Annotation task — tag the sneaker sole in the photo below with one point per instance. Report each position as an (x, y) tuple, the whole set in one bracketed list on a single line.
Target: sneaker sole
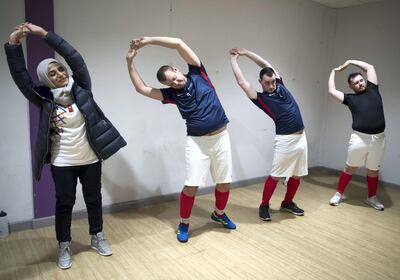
[(103, 254), (373, 206), (289, 211), (64, 267), (265, 219), (232, 228), (336, 203), (182, 241), (221, 223)]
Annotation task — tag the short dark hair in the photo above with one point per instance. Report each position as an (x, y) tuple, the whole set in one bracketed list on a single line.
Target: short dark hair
[(161, 73), (352, 76), (267, 71)]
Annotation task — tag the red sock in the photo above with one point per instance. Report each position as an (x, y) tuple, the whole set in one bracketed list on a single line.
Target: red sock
[(344, 180), (372, 185), (221, 199), (292, 186), (269, 188), (186, 205)]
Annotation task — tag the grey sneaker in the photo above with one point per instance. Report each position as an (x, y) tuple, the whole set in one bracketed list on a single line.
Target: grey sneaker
[(64, 260), (336, 199), (99, 243), (374, 202)]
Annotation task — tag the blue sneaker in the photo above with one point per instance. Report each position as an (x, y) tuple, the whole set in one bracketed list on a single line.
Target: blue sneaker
[(224, 220), (183, 234)]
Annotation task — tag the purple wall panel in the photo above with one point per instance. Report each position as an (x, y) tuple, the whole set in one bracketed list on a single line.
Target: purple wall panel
[(40, 13)]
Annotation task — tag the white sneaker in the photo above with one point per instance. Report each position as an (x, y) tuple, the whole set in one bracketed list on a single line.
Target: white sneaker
[(374, 202), (336, 199), (99, 243), (64, 260)]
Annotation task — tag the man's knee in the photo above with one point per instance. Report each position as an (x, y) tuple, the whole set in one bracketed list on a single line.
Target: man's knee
[(372, 173), (190, 190), (350, 169), (223, 187)]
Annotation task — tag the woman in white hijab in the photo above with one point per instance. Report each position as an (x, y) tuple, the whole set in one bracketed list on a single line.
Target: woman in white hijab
[(80, 136), (54, 75)]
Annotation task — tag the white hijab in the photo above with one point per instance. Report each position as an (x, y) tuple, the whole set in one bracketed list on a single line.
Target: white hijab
[(61, 95)]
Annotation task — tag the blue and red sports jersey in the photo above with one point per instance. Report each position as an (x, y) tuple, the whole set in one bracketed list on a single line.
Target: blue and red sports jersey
[(282, 108), (197, 102)]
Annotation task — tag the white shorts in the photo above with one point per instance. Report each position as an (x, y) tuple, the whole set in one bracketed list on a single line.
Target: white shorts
[(208, 153), (366, 149), (290, 156)]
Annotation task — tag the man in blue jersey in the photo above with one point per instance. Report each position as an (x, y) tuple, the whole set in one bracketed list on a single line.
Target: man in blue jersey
[(367, 141), (207, 145), (290, 149)]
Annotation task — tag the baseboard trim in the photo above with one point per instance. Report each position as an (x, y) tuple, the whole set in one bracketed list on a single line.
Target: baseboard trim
[(48, 221), (112, 208)]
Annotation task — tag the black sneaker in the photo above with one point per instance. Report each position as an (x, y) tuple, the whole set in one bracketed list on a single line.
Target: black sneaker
[(263, 212), (292, 208)]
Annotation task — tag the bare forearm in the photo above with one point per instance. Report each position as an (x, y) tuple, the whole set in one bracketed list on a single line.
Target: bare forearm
[(168, 42), (257, 59), (245, 85), (135, 78), (368, 68), (138, 83), (237, 72), (363, 65), (173, 43), (332, 87), (260, 61), (331, 82)]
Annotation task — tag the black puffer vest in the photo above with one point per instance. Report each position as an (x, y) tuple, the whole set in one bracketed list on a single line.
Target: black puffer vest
[(103, 137)]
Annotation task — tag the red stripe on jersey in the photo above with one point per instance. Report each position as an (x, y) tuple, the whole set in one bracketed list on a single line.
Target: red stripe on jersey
[(268, 110), (169, 101), (205, 77)]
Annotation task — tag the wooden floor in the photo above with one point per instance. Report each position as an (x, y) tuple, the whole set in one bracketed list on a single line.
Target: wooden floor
[(351, 241)]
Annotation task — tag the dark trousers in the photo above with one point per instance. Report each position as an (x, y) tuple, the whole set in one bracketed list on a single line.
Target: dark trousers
[(65, 180)]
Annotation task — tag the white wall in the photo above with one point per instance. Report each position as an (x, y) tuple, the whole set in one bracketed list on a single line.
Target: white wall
[(296, 36), (15, 164), (370, 33), (293, 35)]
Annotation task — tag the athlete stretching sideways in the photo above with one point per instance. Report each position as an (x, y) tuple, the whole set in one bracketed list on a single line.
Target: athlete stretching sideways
[(367, 141), (290, 148), (207, 144)]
